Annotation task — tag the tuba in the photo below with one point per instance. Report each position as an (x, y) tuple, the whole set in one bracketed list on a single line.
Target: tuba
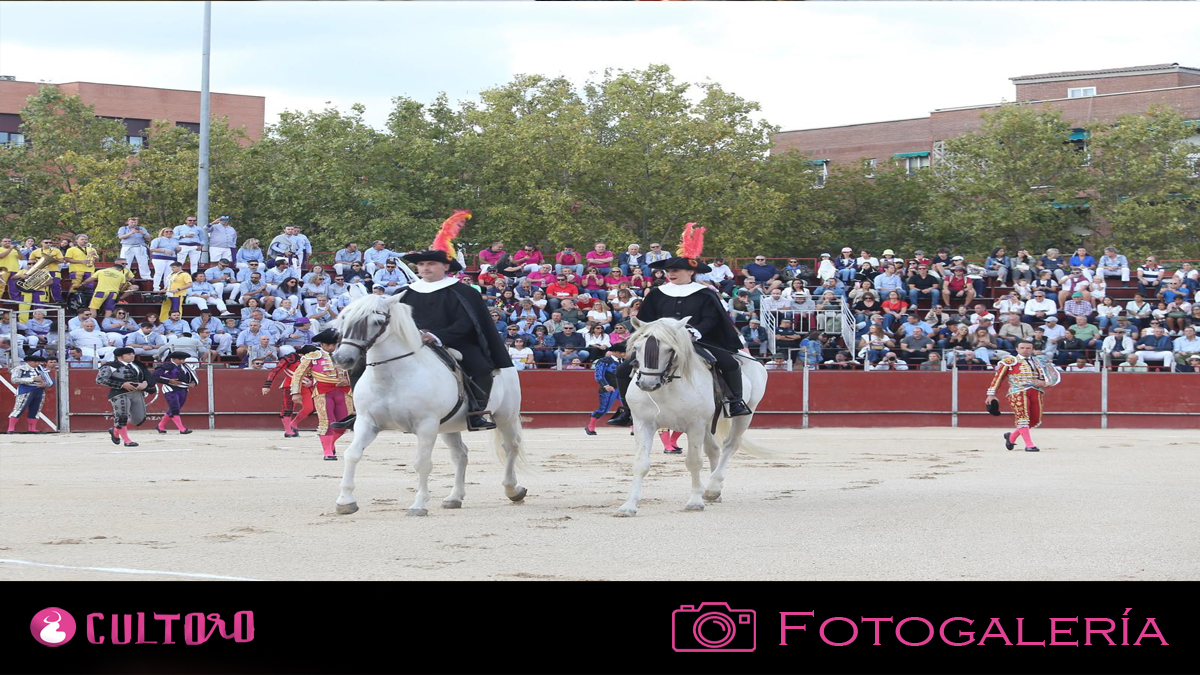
[(38, 278)]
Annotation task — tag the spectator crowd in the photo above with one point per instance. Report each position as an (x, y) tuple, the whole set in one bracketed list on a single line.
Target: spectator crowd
[(254, 304)]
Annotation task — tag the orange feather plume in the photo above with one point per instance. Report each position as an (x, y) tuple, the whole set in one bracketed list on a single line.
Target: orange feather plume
[(692, 242), (444, 241)]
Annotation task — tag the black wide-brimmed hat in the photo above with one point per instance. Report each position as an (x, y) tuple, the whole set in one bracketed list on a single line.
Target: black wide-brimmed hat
[(681, 263), (428, 255), (179, 355), (329, 336)]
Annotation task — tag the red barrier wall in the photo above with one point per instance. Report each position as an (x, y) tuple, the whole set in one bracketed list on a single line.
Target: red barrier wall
[(836, 399)]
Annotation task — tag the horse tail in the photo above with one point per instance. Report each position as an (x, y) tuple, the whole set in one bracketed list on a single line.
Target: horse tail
[(746, 444), (522, 461)]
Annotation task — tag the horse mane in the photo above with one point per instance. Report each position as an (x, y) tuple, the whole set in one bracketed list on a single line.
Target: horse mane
[(402, 324), (674, 334)]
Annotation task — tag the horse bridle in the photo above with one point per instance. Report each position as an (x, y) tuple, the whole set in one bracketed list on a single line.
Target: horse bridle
[(665, 375), (365, 347)]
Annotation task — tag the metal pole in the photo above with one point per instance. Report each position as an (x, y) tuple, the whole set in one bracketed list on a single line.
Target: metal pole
[(212, 417), (64, 375), (14, 337), (202, 218), (954, 396), (804, 401), (1104, 396)]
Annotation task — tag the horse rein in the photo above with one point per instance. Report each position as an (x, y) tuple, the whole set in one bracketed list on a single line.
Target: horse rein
[(359, 345)]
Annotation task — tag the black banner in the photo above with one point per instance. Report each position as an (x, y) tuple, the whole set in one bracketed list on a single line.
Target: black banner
[(600, 627)]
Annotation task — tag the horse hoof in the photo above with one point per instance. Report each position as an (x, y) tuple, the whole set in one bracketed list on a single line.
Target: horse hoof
[(452, 505), (714, 497), (694, 507), (418, 512), (625, 513), (347, 509), (520, 495)]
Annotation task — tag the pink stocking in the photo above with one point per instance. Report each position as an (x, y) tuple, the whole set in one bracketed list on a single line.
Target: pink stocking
[(675, 437), (287, 425), (124, 434), (1023, 434), (32, 424), (12, 424), (162, 424), (665, 437), (178, 420), (592, 423), (327, 444)]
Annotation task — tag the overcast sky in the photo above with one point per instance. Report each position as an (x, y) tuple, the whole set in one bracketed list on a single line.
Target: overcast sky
[(809, 64)]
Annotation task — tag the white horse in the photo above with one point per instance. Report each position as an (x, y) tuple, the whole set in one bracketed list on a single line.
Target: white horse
[(674, 389), (409, 388)]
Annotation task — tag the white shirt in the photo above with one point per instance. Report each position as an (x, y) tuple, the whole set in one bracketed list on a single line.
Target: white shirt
[(422, 286), (1046, 305), (718, 274), (1054, 333), (1007, 306), (82, 337), (680, 290)]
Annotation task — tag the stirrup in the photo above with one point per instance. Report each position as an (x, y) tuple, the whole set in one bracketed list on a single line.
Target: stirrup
[(477, 422), (736, 407)]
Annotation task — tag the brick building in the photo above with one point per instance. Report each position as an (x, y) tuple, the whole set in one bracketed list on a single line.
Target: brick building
[(138, 106), (1085, 98)]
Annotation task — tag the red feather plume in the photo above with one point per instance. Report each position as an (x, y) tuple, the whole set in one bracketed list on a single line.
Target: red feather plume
[(692, 242), (444, 241)]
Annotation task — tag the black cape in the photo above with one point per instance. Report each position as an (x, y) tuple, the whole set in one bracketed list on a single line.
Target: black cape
[(459, 317), (707, 314)]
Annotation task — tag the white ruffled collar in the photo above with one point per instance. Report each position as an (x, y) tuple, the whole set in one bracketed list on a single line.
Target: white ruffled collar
[(681, 290), (422, 286)]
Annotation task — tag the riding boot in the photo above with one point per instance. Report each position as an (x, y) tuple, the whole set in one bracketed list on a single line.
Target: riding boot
[(346, 422), (477, 397), (622, 418), (734, 405)]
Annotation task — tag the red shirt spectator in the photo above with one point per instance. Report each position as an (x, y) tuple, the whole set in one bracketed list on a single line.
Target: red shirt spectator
[(486, 279), (542, 278), (562, 289)]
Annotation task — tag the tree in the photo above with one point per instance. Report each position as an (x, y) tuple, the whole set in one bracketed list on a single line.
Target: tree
[(1144, 195), (1007, 183), (65, 147)]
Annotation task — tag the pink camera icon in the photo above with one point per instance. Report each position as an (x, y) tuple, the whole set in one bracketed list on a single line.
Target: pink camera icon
[(713, 627)]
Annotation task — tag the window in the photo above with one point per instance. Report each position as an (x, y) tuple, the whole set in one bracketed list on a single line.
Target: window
[(136, 142), (912, 164), (1079, 139), (1081, 92), (1194, 162), (193, 127), (870, 165), (9, 139)]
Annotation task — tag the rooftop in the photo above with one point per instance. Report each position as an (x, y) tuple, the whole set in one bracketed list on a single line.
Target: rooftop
[(1131, 70)]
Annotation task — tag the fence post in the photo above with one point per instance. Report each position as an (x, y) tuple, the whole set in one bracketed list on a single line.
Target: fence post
[(212, 417), (954, 396), (64, 375), (804, 398), (1104, 397)]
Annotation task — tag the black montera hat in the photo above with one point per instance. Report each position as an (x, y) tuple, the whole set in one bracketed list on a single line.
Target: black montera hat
[(681, 263), (306, 349), (428, 255), (328, 336), (993, 407), (122, 351), (179, 355)]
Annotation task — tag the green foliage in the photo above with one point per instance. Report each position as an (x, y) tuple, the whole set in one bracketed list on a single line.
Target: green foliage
[(626, 156)]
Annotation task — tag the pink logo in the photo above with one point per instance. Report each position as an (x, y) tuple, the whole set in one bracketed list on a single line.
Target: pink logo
[(713, 627), (53, 626)]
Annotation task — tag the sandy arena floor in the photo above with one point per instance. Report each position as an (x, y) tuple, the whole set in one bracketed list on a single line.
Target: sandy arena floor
[(840, 504)]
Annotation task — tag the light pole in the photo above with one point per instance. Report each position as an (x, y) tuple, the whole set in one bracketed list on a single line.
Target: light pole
[(202, 188)]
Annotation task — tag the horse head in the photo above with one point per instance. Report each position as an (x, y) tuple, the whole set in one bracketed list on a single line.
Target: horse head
[(362, 324), (661, 348)]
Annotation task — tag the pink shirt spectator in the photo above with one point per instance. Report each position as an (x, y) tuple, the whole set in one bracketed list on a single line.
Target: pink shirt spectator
[(612, 282), (598, 259), (489, 257), (524, 257), (593, 283), (565, 258), (541, 279)]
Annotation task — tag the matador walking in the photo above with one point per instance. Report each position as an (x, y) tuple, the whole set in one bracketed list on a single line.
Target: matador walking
[(1026, 383)]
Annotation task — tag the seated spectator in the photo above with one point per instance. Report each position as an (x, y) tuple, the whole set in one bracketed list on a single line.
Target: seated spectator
[(1054, 263), (825, 268), (1186, 345), (1156, 347), (829, 313), (1075, 282), (924, 285), (542, 344), (741, 309), (875, 344), (846, 265), (1139, 310), (937, 317), (842, 361), (916, 347), (1107, 312), (979, 315), (777, 362), (1133, 364), (766, 275), (1084, 261), (756, 337), (1077, 306), (934, 362), (997, 266), (322, 313), (1023, 267), (1013, 331), (1081, 365), (1086, 331), (572, 314), (968, 361), (1070, 348), (521, 355), (1116, 346), (601, 258), (1192, 365), (1150, 277), (721, 276), (895, 310), (559, 291), (914, 322), (1112, 264), (957, 287), (1040, 308), (530, 257), (812, 349), (597, 341), (983, 344), (1054, 334), (525, 308), (777, 304), (890, 280), (1176, 316), (1023, 289), (632, 258), (866, 308), (889, 362), (786, 337), (794, 271), (568, 337), (513, 331), (569, 259)]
